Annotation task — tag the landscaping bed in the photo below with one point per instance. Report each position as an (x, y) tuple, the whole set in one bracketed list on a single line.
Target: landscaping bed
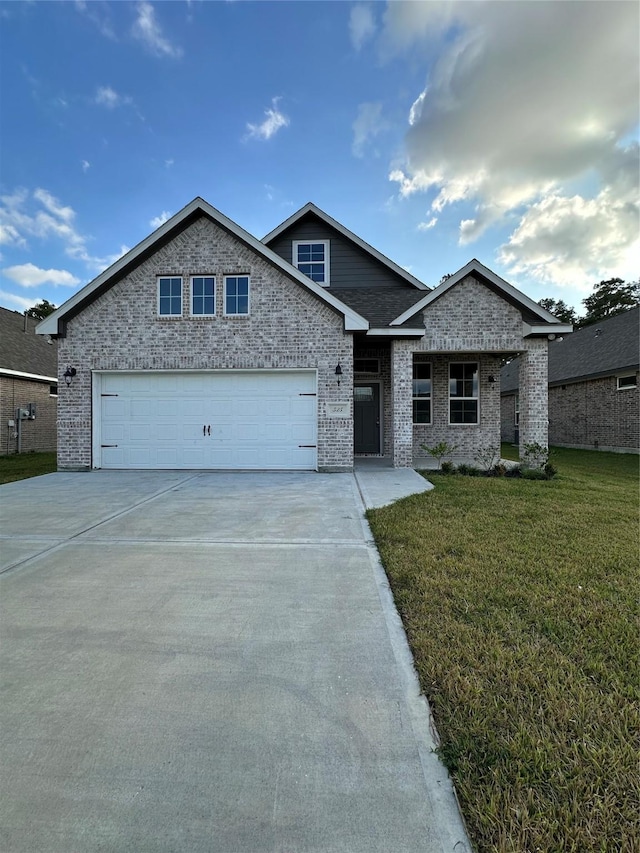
[(519, 598)]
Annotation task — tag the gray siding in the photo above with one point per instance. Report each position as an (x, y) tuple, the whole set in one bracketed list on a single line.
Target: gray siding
[(351, 266)]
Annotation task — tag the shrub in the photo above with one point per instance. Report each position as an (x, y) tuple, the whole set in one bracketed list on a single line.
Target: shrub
[(440, 450), (448, 467), (488, 457)]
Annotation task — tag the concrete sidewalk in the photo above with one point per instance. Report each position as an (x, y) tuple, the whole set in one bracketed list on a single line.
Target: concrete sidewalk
[(208, 662)]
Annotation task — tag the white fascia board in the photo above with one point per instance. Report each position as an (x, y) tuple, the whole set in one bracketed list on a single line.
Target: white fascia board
[(311, 208), (397, 333), (475, 266), (352, 320), (19, 374), (549, 331)]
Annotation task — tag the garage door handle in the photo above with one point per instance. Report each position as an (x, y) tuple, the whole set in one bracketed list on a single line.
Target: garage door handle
[(209, 429), (204, 429)]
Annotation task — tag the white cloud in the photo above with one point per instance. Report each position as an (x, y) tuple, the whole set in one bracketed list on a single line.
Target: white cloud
[(107, 97), (98, 14), (20, 220), (148, 31), (427, 226), (29, 275), (362, 25), (521, 116), (157, 221), (271, 125), (368, 124), (21, 302), (169, 163), (86, 165)]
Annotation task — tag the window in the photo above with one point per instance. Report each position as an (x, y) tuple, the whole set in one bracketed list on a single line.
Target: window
[(313, 260), (366, 365), (203, 296), (421, 393), (236, 294), (170, 296), (517, 410), (53, 390), (627, 382), (463, 393)]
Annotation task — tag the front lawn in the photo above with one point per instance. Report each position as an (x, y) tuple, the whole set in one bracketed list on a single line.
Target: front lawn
[(519, 601), (20, 466)]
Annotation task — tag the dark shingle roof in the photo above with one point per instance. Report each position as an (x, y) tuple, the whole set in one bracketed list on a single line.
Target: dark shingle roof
[(24, 350), (381, 305), (597, 350)]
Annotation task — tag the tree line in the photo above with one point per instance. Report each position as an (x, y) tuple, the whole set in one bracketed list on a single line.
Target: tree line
[(609, 298)]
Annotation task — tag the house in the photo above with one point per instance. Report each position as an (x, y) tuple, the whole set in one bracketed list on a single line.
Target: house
[(594, 395), (28, 386), (204, 347)]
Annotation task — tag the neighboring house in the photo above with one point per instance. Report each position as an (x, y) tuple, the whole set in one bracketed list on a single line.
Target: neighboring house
[(594, 396), (204, 347), (28, 386)]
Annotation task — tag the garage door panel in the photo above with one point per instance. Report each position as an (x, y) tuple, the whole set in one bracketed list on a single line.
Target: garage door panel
[(257, 420)]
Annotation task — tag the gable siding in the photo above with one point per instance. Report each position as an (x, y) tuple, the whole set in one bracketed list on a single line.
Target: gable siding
[(288, 327), (351, 266)]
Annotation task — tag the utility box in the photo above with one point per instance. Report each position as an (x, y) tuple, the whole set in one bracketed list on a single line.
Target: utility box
[(22, 414), (32, 411)]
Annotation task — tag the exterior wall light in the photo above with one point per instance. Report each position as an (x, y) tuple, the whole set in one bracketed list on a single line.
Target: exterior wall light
[(491, 379), (69, 373), (338, 373)]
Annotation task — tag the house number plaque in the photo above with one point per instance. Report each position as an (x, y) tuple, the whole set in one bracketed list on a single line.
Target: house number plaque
[(338, 410)]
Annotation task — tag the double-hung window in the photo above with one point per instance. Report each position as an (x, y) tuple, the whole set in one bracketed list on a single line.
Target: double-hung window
[(312, 258), (236, 295), (170, 296), (203, 296), (421, 393), (463, 393)]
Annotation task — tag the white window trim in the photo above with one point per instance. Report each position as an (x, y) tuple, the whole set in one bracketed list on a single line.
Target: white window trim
[(327, 259), (626, 387), (169, 316), (237, 275), (215, 293), (477, 398), (429, 398)]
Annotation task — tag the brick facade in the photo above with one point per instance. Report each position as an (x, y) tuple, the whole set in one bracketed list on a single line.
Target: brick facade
[(596, 415), (38, 434), (287, 327)]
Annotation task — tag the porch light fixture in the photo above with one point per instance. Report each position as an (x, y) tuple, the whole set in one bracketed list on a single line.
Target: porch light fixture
[(338, 372), (69, 373)]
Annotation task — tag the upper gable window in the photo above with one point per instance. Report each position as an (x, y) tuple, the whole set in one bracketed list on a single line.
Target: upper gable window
[(312, 258), (170, 296), (203, 296), (236, 295)]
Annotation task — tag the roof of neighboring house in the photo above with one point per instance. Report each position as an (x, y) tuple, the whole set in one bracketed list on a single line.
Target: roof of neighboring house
[(54, 323), (601, 349), (21, 350), (309, 207)]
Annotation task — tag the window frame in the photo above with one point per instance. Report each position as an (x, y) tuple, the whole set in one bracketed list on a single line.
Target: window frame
[(159, 280), (622, 376), (326, 262), (375, 372), (476, 398), (516, 411), (422, 397), (225, 295), (203, 297)]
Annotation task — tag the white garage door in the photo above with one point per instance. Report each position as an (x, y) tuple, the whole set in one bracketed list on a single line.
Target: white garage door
[(227, 419)]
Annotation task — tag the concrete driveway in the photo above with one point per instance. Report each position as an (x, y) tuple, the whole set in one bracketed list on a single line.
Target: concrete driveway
[(207, 662)]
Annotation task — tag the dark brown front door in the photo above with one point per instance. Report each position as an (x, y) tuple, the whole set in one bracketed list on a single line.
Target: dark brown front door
[(366, 417)]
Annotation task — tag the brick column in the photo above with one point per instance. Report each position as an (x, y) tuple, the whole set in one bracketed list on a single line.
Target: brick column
[(401, 389), (534, 400)]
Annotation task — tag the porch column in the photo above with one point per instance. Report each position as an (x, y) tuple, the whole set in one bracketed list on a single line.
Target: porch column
[(534, 400), (402, 389)]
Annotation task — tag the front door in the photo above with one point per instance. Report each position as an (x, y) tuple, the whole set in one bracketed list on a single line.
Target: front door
[(366, 417)]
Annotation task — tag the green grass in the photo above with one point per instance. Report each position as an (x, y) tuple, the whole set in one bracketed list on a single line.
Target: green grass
[(23, 465), (519, 601)]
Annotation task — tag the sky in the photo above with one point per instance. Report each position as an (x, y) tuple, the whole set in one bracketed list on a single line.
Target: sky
[(436, 131)]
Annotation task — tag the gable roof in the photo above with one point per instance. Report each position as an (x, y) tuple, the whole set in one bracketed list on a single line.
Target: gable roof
[(309, 207), (54, 323), (22, 351), (533, 314), (601, 349)]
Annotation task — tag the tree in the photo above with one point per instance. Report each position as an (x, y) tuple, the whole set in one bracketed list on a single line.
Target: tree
[(560, 309), (41, 310), (609, 298)]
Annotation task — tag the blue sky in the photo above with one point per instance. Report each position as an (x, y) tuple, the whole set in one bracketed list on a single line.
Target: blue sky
[(437, 131)]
